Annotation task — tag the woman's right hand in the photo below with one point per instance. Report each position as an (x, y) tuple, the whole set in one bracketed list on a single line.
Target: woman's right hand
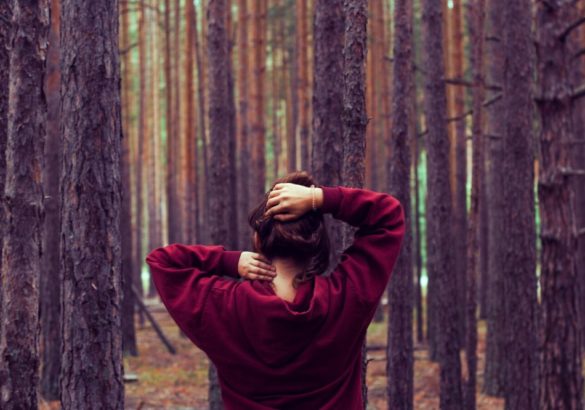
[(288, 201)]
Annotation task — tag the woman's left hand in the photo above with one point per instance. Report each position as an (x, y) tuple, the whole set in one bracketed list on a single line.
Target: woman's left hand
[(255, 266)]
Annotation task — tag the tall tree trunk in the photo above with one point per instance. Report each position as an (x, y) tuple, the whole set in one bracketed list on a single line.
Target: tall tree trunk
[(327, 152), (192, 126), (5, 27), (202, 179), (353, 109), (518, 216), (494, 374), (23, 205), (128, 301), (232, 240), (50, 309), (476, 23), (578, 161), (243, 126), (400, 364), (219, 128), (91, 200), (459, 151), (439, 212), (561, 382), (257, 127), (302, 84)]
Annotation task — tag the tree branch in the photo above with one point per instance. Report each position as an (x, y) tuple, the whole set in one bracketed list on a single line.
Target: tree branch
[(465, 83), (573, 172), (579, 92), (572, 27)]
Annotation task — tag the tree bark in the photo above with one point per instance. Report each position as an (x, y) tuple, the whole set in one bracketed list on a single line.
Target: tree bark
[(243, 126), (494, 374), (23, 204), (219, 128), (91, 198), (476, 20), (354, 119), (302, 83), (5, 21), (50, 288), (441, 260), (128, 267), (518, 216), (561, 382), (327, 160), (400, 364)]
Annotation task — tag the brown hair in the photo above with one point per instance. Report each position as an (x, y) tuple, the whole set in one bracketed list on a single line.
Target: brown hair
[(304, 239)]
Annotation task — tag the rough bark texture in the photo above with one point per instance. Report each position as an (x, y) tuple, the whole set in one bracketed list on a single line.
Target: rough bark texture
[(561, 380), (257, 127), (232, 239), (23, 205), (354, 119), (91, 199), (127, 320), (219, 129), (578, 161), (518, 216), (50, 315), (302, 82), (494, 382), (476, 18), (459, 168), (400, 364), (242, 124), (440, 252), (327, 152), (5, 18)]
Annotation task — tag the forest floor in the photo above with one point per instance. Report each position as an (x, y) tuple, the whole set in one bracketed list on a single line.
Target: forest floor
[(179, 382)]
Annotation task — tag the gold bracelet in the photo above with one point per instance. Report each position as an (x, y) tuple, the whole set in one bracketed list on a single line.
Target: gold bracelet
[(313, 197)]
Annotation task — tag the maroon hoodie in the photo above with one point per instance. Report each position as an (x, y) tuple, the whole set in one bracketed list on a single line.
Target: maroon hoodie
[(274, 354)]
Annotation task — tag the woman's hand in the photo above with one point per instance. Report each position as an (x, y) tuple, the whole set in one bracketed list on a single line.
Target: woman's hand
[(288, 201), (255, 266)]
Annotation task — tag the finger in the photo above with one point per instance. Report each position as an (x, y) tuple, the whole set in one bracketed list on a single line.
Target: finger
[(263, 264), (276, 209), (260, 257), (278, 186), (266, 267), (272, 201), (263, 272)]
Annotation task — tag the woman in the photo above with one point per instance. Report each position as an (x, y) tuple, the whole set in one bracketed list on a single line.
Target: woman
[(283, 335)]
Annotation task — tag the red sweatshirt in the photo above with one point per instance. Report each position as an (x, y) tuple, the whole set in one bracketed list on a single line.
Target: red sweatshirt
[(274, 354)]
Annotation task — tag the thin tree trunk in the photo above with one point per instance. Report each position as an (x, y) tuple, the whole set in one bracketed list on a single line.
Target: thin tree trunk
[(353, 110), (243, 126), (219, 128), (191, 127), (439, 212), (400, 364), (561, 382), (494, 374), (91, 199), (5, 19), (327, 150), (23, 205), (302, 83), (232, 241), (518, 216), (476, 20), (50, 287)]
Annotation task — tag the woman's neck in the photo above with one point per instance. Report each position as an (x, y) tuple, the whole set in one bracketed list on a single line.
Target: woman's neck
[(286, 270)]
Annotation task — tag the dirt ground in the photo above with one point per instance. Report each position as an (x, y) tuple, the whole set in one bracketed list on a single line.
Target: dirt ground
[(179, 382)]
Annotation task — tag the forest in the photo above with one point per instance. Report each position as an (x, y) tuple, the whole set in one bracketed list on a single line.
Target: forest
[(128, 125)]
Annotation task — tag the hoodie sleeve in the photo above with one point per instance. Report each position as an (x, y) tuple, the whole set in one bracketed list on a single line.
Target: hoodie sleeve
[(368, 262), (184, 276)]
